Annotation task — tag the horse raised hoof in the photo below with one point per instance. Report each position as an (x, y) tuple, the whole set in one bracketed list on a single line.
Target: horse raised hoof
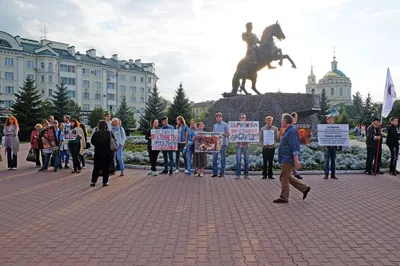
[(294, 66), (280, 63)]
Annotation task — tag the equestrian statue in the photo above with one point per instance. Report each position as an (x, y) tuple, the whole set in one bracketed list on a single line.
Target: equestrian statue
[(257, 57)]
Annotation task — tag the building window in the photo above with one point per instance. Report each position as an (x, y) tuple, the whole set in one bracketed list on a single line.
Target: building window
[(86, 84), (133, 89), (85, 71), (42, 78), (122, 88), (142, 99), (50, 67), (9, 90), (41, 64), (50, 78), (30, 64), (133, 78), (97, 85), (312, 91), (86, 107), (141, 90), (122, 77), (30, 76), (149, 80), (10, 75), (86, 95), (142, 79), (9, 61), (97, 96), (97, 106), (134, 109), (332, 91), (8, 104), (50, 93), (341, 92), (67, 81), (71, 94), (149, 90), (67, 68), (133, 99), (97, 73), (110, 86), (111, 97)]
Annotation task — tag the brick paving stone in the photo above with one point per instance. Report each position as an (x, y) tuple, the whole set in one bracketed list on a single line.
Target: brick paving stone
[(57, 219)]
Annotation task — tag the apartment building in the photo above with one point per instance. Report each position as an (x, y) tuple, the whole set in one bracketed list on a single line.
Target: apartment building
[(92, 81)]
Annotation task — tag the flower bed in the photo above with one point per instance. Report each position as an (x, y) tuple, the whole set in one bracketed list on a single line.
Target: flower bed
[(311, 157)]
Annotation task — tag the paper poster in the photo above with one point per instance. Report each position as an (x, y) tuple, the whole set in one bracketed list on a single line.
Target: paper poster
[(333, 134), (164, 139), (243, 131), (208, 142), (304, 131), (268, 137)]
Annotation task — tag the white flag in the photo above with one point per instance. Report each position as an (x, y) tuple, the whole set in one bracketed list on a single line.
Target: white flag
[(390, 95)]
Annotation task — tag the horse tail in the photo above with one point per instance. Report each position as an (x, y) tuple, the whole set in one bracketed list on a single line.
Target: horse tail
[(235, 82)]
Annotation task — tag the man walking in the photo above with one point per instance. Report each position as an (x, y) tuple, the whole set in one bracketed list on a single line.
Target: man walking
[(268, 151), (220, 127), (288, 153), (167, 154), (330, 155), (373, 139), (295, 116), (392, 141), (242, 148)]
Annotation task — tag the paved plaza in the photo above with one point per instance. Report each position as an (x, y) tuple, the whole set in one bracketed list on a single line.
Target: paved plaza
[(58, 219)]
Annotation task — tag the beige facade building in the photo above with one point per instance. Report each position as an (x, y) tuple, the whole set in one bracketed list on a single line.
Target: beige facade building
[(93, 81), (336, 84), (199, 108)]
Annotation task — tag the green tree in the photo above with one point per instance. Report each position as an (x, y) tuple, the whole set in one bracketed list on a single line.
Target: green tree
[(202, 116), (155, 109), (48, 108), (95, 116), (367, 110), (61, 102), (126, 115), (27, 108), (357, 108), (324, 104), (75, 110), (343, 118), (180, 106)]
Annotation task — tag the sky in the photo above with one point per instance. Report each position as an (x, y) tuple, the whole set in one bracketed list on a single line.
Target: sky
[(198, 42)]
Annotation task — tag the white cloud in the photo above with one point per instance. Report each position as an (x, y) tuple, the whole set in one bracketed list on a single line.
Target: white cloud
[(23, 4)]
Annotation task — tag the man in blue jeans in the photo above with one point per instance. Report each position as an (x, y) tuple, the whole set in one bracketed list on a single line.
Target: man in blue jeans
[(330, 155), (242, 148), (220, 127), (167, 154)]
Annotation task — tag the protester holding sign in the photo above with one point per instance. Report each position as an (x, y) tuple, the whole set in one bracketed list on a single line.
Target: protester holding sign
[(242, 148), (330, 155), (392, 141), (199, 158), (182, 129), (189, 146), (153, 154), (220, 127), (169, 153), (269, 138)]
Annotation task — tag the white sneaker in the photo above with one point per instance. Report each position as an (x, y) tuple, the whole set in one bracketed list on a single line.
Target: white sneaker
[(186, 171), (176, 171), (14, 168), (155, 173), (237, 177), (201, 174), (149, 172)]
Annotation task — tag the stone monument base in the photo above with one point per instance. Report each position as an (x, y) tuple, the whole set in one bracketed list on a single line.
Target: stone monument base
[(257, 107)]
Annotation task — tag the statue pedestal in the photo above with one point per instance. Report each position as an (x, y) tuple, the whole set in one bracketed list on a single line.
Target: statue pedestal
[(257, 107)]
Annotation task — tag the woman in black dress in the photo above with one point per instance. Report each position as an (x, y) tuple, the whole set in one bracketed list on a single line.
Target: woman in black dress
[(102, 153)]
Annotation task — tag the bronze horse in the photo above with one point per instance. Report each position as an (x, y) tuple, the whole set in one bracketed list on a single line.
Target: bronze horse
[(266, 53)]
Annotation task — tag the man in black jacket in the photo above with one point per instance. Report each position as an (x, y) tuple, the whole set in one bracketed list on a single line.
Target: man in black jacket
[(392, 141), (373, 139)]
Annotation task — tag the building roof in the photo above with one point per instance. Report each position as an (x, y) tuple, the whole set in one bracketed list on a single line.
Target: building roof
[(336, 73), (202, 104)]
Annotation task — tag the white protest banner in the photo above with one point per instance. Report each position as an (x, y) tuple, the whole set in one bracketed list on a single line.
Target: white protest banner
[(333, 134), (208, 142), (164, 139), (243, 131), (268, 137)]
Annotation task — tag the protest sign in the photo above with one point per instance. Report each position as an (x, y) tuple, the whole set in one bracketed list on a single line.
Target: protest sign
[(164, 139), (208, 142), (268, 137), (243, 131), (304, 131), (333, 134)]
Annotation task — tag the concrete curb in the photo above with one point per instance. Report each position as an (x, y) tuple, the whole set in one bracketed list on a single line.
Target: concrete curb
[(259, 173)]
